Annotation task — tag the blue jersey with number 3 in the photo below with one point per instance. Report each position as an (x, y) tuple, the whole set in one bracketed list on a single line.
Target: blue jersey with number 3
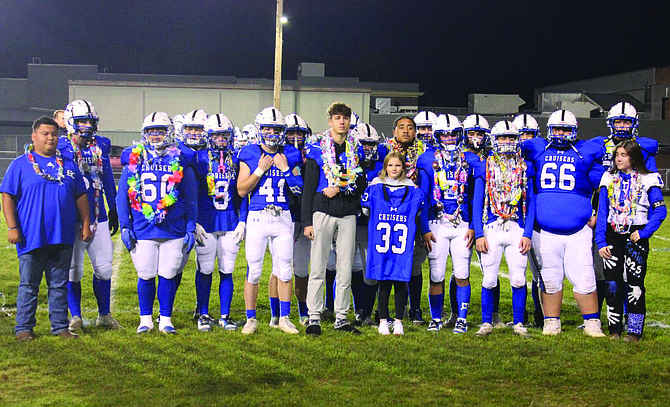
[(564, 182), (391, 230)]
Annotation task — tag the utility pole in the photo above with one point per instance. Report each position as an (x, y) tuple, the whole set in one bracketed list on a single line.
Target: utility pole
[(278, 54)]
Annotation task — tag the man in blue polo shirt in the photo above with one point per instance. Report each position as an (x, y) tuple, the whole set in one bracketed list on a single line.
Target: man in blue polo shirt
[(40, 192)]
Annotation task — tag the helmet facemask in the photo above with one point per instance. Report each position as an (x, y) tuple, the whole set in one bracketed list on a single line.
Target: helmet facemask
[(83, 129), (220, 140), (296, 138), (562, 140), (194, 137), (272, 136), (448, 141)]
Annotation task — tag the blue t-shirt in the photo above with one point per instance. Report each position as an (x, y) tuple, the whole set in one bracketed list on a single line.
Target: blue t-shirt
[(46, 210), (391, 230), (564, 181), (272, 189)]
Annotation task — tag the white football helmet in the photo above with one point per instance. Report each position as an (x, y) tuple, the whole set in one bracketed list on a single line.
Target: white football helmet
[(475, 122), (526, 123), (81, 110), (271, 118), (445, 125), (562, 119), (504, 128), (193, 128), (250, 131), (623, 111), (355, 120), (369, 139), (424, 125), (178, 123), (219, 130), (295, 123), (157, 130)]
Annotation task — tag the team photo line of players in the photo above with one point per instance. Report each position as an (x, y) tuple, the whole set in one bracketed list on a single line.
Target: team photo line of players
[(342, 210)]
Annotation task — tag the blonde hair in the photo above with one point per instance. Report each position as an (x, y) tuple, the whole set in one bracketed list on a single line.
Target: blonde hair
[(403, 174)]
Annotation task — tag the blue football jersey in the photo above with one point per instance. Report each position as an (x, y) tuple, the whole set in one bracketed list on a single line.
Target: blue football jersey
[(450, 182), (391, 230), (648, 146), (564, 182), (272, 189)]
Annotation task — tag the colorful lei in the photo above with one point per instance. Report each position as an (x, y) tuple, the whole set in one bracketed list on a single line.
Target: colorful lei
[(137, 156), (30, 147), (226, 167), (624, 198), (340, 175), (449, 188), (411, 155), (506, 185)]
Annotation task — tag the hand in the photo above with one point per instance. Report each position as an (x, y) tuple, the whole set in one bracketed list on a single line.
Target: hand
[(113, 217), (469, 238), (189, 241), (128, 238), (309, 232), (281, 162), (330, 192), (200, 235), (239, 232), (592, 221), (635, 236), (428, 240), (14, 236), (86, 234), (265, 162), (525, 245), (482, 245), (605, 252)]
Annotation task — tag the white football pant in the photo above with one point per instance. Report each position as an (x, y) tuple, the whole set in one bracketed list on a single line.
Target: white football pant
[(158, 257), (218, 245), (503, 241), (450, 241), (100, 250), (261, 228)]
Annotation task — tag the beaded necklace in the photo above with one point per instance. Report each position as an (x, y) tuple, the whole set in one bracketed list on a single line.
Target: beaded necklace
[(59, 160), (345, 180), (624, 198), (137, 156), (226, 167), (94, 172), (449, 188), (506, 184), (411, 155)]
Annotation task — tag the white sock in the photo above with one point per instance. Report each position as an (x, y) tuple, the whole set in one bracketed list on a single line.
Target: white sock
[(146, 320), (165, 321)]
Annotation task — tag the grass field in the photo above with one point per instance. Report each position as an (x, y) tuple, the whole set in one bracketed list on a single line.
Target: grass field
[(272, 368)]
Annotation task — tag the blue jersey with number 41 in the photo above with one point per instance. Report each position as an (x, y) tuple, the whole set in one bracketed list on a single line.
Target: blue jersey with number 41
[(391, 230)]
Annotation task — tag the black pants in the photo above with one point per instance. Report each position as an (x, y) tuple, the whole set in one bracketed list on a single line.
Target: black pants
[(629, 258), (385, 294)]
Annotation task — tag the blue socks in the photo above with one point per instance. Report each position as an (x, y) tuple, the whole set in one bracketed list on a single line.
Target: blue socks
[(102, 290), (203, 287), (436, 302), (488, 298), (519, 303), (146, 292), (74, 298), (167, 288), (251, 313), (274, 306), (302, 309), (595, 315), (285, 308), (225, 292), (463, 300)]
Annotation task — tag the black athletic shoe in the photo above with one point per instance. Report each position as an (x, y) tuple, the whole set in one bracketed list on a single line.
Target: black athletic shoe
[(313, 328), (416, 316), (343, 325)]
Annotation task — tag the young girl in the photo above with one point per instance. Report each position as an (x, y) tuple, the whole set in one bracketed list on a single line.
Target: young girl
[(392, 202), (630, 210)]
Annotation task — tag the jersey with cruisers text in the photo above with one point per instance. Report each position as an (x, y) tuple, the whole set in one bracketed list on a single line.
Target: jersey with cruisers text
[(450, 193), (648, 146), (105, 177), (391, 230), (564, 181), (272, 188), (222, 211), (187, 156)]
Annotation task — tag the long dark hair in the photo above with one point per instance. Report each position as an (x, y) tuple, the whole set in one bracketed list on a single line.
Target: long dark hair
[(634, 152)]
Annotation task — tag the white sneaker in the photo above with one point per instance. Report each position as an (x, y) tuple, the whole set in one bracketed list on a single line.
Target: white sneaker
[(593, 328), (108, 321), (485, 330), (398, 328), (552, 326), (204, 323), (274, 322), (521, 331), (76, 324), (250, 327), (497, 322), (287, 326), (304, 320), (383, 328)]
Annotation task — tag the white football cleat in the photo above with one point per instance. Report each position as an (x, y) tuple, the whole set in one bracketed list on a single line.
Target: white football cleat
[(552, 326), (304, 320), (285, 325), (108, 321), (521, 331), (485, 330), (593, 328), (497, 322), (250, 327), (76, 324), (274, 322)]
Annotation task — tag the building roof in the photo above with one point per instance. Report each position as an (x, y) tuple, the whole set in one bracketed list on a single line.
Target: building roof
[(606, 100)]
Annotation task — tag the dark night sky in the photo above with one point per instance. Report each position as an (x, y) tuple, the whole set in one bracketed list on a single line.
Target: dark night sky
[(452, 48)]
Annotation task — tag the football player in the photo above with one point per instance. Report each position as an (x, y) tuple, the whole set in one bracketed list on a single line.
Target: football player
[(221, 220), (251, 133), (267, 173), (444, 178), (157, 203), (90, 152), (503, 211), (424, 127), (567, 171)]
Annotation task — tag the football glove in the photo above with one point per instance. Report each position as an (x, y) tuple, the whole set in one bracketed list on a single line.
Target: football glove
[(239, 232), (200, 235), (128, 237), (113, 217), (189, 241)]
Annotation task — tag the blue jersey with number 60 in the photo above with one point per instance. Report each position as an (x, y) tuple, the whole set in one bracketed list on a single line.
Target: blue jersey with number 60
[(272, 189), (391, 230), (564, 181)]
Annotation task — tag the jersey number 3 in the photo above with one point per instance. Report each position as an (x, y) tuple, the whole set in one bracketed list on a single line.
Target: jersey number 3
[(399, 230), (552, 175)]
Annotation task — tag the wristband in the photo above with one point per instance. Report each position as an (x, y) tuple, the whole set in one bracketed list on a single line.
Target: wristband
[(12, 228), (258, 172), (286, 173)]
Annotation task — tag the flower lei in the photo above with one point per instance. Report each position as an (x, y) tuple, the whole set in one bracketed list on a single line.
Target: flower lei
[(411, 155), (139, 154), (29, 148), (94, 172), (624, 197), (506, 184), (226, 167), (333, 171), (449, 188)]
